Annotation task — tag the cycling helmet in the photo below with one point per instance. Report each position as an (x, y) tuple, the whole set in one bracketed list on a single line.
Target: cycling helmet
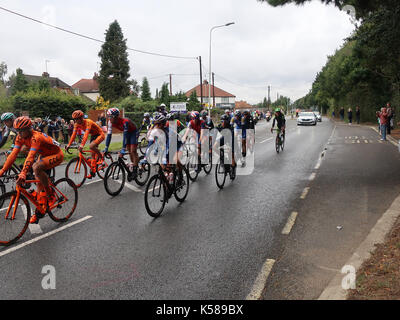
[(195, 115), (227, 111), (155, 114), (113, 112), (7, 116), (22, 123), (146, 115), (77, 114), (224, 117), (277, 109), (246, 112), (169, 116), (162, 106), (237, 113), (160, 118), (204, 114)]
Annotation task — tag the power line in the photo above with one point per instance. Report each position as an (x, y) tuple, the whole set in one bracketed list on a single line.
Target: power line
[(91, 38)]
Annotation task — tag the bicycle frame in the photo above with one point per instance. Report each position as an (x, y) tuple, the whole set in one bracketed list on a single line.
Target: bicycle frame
[(19, 190), (83, 158)]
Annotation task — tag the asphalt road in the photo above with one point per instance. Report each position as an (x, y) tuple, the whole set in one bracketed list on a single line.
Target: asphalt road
[(210, 247)]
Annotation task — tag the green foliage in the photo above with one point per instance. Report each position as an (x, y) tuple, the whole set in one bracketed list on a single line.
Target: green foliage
[(41, 103), (193, 103), (20, 84), (114, 72), (3, 72), (164, 94), (134, 104), (145, 88)]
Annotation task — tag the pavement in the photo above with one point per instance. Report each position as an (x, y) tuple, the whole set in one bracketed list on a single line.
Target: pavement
[(272, 234)]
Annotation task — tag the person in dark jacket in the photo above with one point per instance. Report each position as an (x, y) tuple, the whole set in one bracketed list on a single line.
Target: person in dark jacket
[(350, 115), (358, 115), (341, 113)]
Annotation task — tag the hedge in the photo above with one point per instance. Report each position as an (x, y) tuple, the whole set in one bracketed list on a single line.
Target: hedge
[(44, 103)]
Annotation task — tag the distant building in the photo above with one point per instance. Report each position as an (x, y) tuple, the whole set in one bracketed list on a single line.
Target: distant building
[(54, 82), (88, 87), (243, 105), (223, 99)]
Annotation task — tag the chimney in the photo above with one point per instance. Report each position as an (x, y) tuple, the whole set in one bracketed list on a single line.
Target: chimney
[(45, 75), (205, 82)]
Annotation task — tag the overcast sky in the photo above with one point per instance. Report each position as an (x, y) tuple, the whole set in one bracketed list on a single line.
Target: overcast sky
[(283, 47)]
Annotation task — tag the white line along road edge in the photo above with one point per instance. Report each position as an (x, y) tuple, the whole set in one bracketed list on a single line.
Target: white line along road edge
[(48, 234), (261, 280), (290, 223), (377, 235)]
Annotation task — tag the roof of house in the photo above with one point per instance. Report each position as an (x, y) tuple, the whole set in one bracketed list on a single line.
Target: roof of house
[(242, 105), (217, 91), (87, 85), (54, 82)]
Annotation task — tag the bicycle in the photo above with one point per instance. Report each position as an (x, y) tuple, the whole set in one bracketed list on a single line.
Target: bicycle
[(280, 140), (222, 169), (16, 205), (143, 144), (115, 176), (76, 169), (160, 188)]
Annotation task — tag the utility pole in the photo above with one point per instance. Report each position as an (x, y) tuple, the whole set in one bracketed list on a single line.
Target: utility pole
[(269, 99), (213, 90), (170, 84), (201, 84)]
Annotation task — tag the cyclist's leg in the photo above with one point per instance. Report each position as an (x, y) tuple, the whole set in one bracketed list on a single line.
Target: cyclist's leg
[(94, 146)]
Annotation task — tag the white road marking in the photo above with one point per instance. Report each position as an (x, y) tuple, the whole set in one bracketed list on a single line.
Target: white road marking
[(265, 140), (93, 182), (290, 223), (48, 234), (358, 141), (312, 176), (318, 164), (129, 186), (261, 280), (366, 141), (305, 192), (33, 228)]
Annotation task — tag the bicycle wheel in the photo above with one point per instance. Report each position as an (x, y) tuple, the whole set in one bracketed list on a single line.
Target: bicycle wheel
[(66, 200), (2, 191), (208, 167), (282, 142), (102, 168), (155, 196), (76, 171), (192, 168), (181, 184), (277, 146), (11, 229), (114, 179), (143, 173), (220, 174), (10, 183), (143, 145)]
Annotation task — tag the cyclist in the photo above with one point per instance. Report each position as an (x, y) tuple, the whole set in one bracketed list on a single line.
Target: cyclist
[(162, 109), (51, 156), (129, 140), (8, 120), (280, 121), (160, 124), (171, 117), (197, 125), (248, 127), (208, 121), (226, 124), (97, 136), (147, 121)]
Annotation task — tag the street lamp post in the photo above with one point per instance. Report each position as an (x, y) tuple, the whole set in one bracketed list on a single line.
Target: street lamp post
[(209, 70)]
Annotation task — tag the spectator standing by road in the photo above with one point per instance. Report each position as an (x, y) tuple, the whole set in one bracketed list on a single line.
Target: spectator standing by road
[(64, 129), (50, 129), (390, 117), (103, 121), (341, 113), (358, 115), (383, 120), (350, 115), (70, 127)]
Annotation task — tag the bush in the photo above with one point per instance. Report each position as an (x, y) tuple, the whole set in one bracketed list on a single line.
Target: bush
[(44, 103), (135, 104)]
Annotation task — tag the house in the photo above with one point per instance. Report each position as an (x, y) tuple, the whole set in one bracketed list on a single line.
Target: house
[(243, 105), (88, 87), (223, 99), (54, 82)]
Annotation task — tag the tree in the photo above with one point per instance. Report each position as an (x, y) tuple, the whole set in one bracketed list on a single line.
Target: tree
[(164, 94), (114, 72), (145, 88), (20, 83), (3, 72), (135, 87)]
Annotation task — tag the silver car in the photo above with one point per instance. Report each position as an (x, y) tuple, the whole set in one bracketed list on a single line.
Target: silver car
[(318, 115), (307, 118)]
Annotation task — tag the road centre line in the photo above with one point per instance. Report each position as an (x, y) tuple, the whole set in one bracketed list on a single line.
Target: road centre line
[(261, 280), (312, 176), (290, 223), (48, 234), (305, 192)]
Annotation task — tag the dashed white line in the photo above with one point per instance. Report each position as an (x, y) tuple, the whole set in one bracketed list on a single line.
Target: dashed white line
[(261, 280), (48, 234), (312, 176), (305, 192), (290, 223)]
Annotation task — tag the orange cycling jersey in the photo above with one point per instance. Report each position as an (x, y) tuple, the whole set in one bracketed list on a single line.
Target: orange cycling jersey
[(88, 127), (37, 143)]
